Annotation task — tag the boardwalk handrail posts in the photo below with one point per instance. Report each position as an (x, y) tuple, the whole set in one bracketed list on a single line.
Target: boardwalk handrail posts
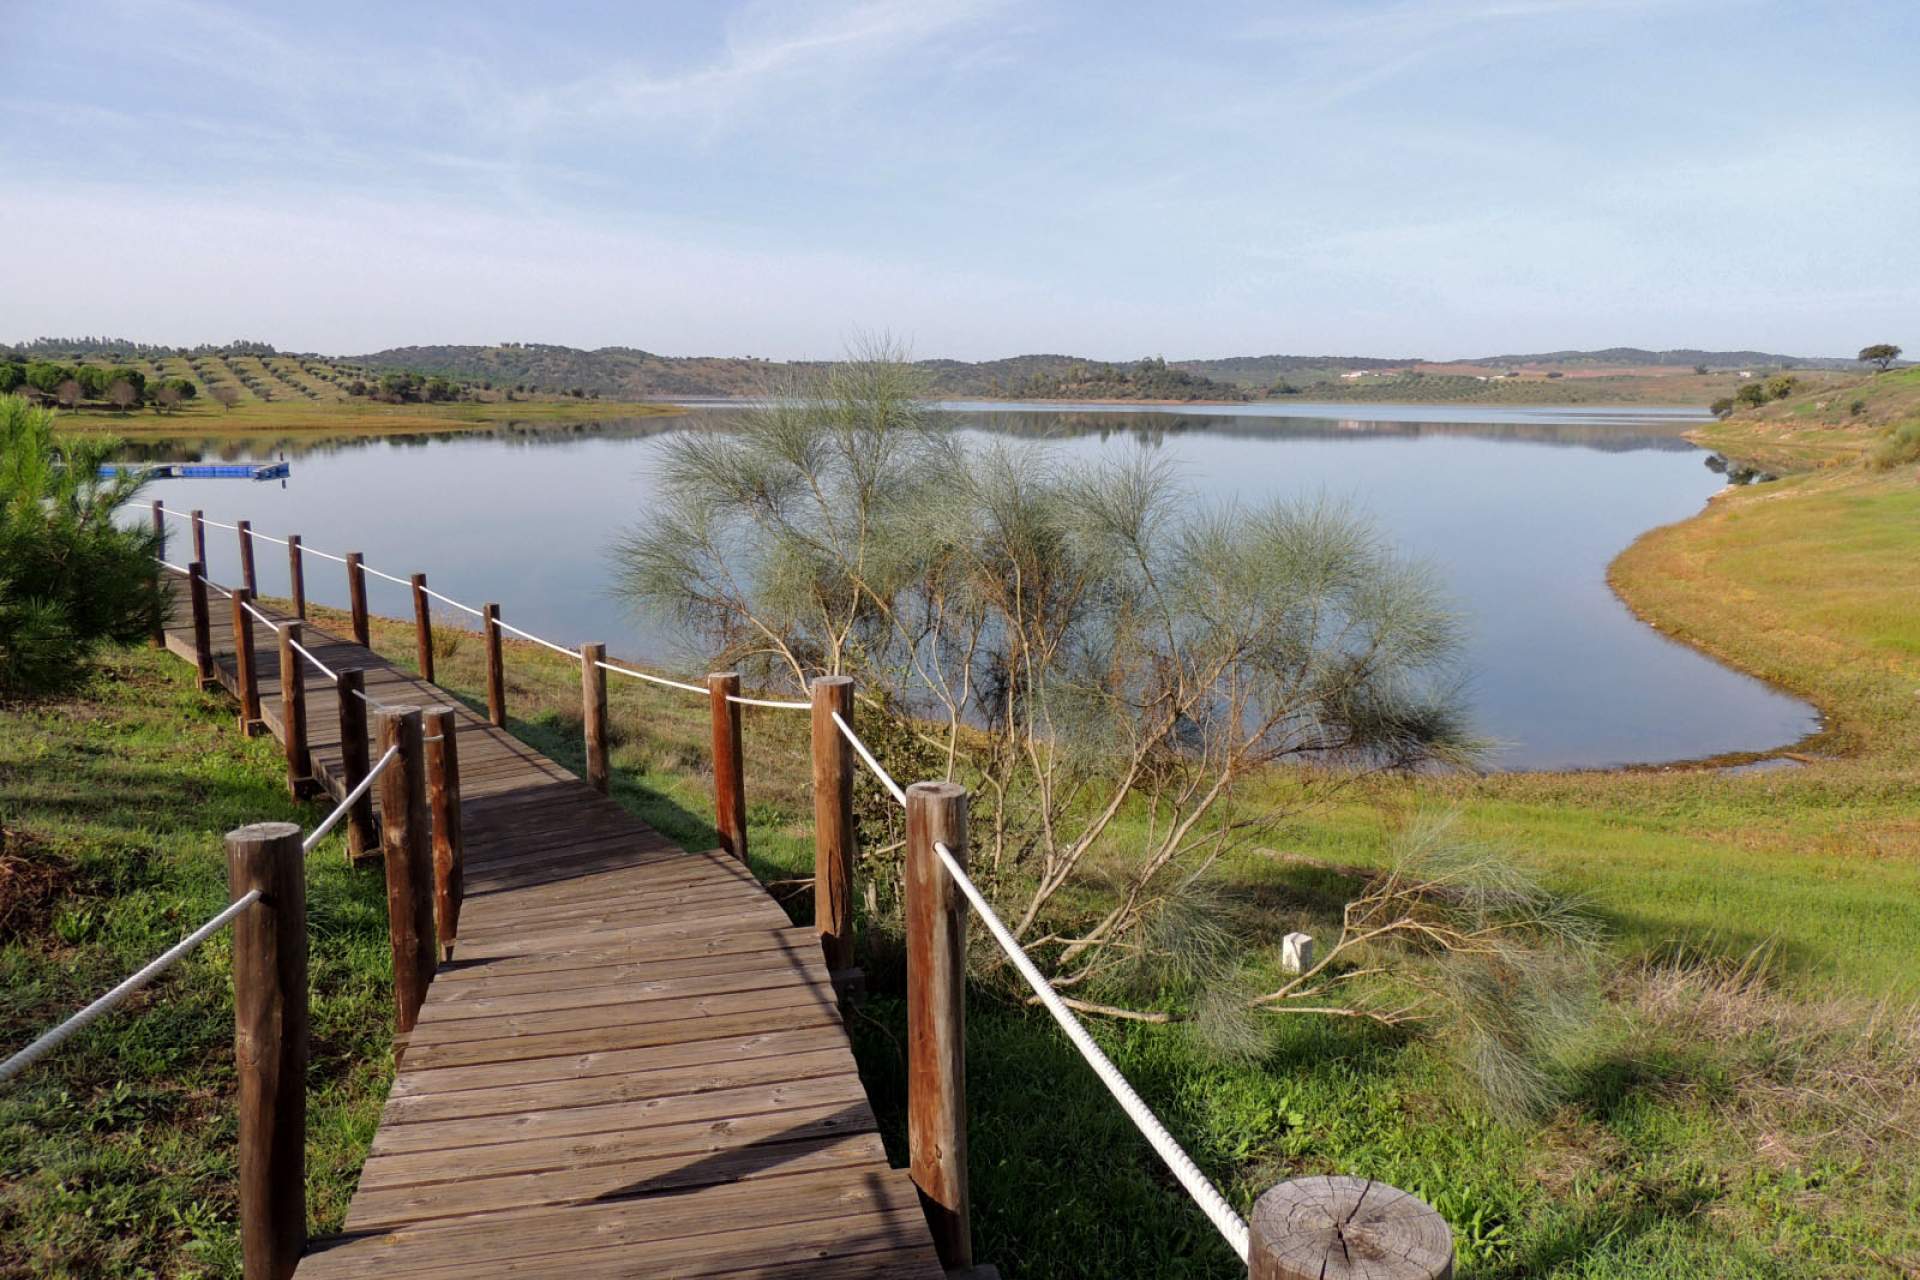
[(293, 711), (593, 714), (270, 1044), (357, 598), (243, 533), (354, 762), (297, 576), (443, 799), (159, 636), (833, 829), (404, 843), (496, 666), (246, 683), (729, 790), (202, 622), (198, 520), (1309, 1228), (423, 627), (936, 1018)]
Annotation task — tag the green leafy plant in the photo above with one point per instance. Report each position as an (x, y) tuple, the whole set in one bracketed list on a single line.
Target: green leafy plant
[(71, 577)]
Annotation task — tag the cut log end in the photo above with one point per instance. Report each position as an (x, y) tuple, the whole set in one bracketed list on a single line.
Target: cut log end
[(1340, 1228)]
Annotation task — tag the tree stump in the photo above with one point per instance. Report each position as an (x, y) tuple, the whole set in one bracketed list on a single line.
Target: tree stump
[(1340, 1228)]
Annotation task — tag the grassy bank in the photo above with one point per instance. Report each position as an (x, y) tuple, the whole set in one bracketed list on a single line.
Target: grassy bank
[(118, 1152)]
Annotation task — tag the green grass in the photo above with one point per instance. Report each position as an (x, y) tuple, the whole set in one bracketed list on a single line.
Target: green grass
[(119, 1150)]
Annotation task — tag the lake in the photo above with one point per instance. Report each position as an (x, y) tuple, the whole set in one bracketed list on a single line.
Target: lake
[(1518, 510)]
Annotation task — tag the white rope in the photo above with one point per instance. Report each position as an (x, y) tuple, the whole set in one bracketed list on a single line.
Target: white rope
[(652, 679), (450, 600), (340, 810), (1211, 1202), (373, 702), (324, 555), (160, 964), (367, 568), (164, 564), (528, 635), (770, 702), (867, 755), (266, 537), (265, 621), (219, 524), (306, 653)]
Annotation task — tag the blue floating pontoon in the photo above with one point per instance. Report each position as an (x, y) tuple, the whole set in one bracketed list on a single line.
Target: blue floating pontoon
[(199, 470)]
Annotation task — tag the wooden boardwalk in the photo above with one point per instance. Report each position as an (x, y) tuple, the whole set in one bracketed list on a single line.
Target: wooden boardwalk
[(633, 1066)]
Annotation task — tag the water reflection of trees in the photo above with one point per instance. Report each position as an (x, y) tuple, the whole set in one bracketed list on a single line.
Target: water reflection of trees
[(1147, 429)]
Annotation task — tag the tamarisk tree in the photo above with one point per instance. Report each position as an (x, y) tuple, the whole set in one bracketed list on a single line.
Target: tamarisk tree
[(1099, 658)]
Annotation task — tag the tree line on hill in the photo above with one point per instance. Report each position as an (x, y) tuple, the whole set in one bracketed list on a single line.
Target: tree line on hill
[(122, 387)]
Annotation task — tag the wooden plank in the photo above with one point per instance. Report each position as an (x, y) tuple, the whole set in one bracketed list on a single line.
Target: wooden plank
[(626, 1036), (490, 1246), (714, 1055)]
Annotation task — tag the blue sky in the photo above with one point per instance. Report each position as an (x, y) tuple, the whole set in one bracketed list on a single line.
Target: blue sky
[(1455, 177)]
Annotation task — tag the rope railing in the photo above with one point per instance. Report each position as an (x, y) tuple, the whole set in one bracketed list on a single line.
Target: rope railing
[(450, 600), (367, 568), (1230, 1224), (503, 624), (340, 810), (59, 1035), (320, 666), (775, 703), (649, 678), (528, 635), (265, 621), (886, 778)]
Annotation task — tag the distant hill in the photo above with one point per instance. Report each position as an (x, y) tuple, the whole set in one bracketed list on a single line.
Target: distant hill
[(1264, 371), (1683, 357), (631, 373)]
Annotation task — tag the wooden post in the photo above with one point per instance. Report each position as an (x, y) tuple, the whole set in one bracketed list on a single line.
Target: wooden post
[(202, 623), (293, 711), (245, 682), (270, 1044), (297, 576), (357, 598), (199, 523), (937, 1018), (496, 666), (423, 626), (729, 793), (404, 837), (593, 713), (159, 636), (354, 762), (833, 832), (243, 531), (449, 850), (1314, 1227)]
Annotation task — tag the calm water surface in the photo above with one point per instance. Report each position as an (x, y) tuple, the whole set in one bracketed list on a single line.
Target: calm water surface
[(1519, 511)]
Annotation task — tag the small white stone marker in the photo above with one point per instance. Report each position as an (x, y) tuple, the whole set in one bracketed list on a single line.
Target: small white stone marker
[(1296, 953)]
